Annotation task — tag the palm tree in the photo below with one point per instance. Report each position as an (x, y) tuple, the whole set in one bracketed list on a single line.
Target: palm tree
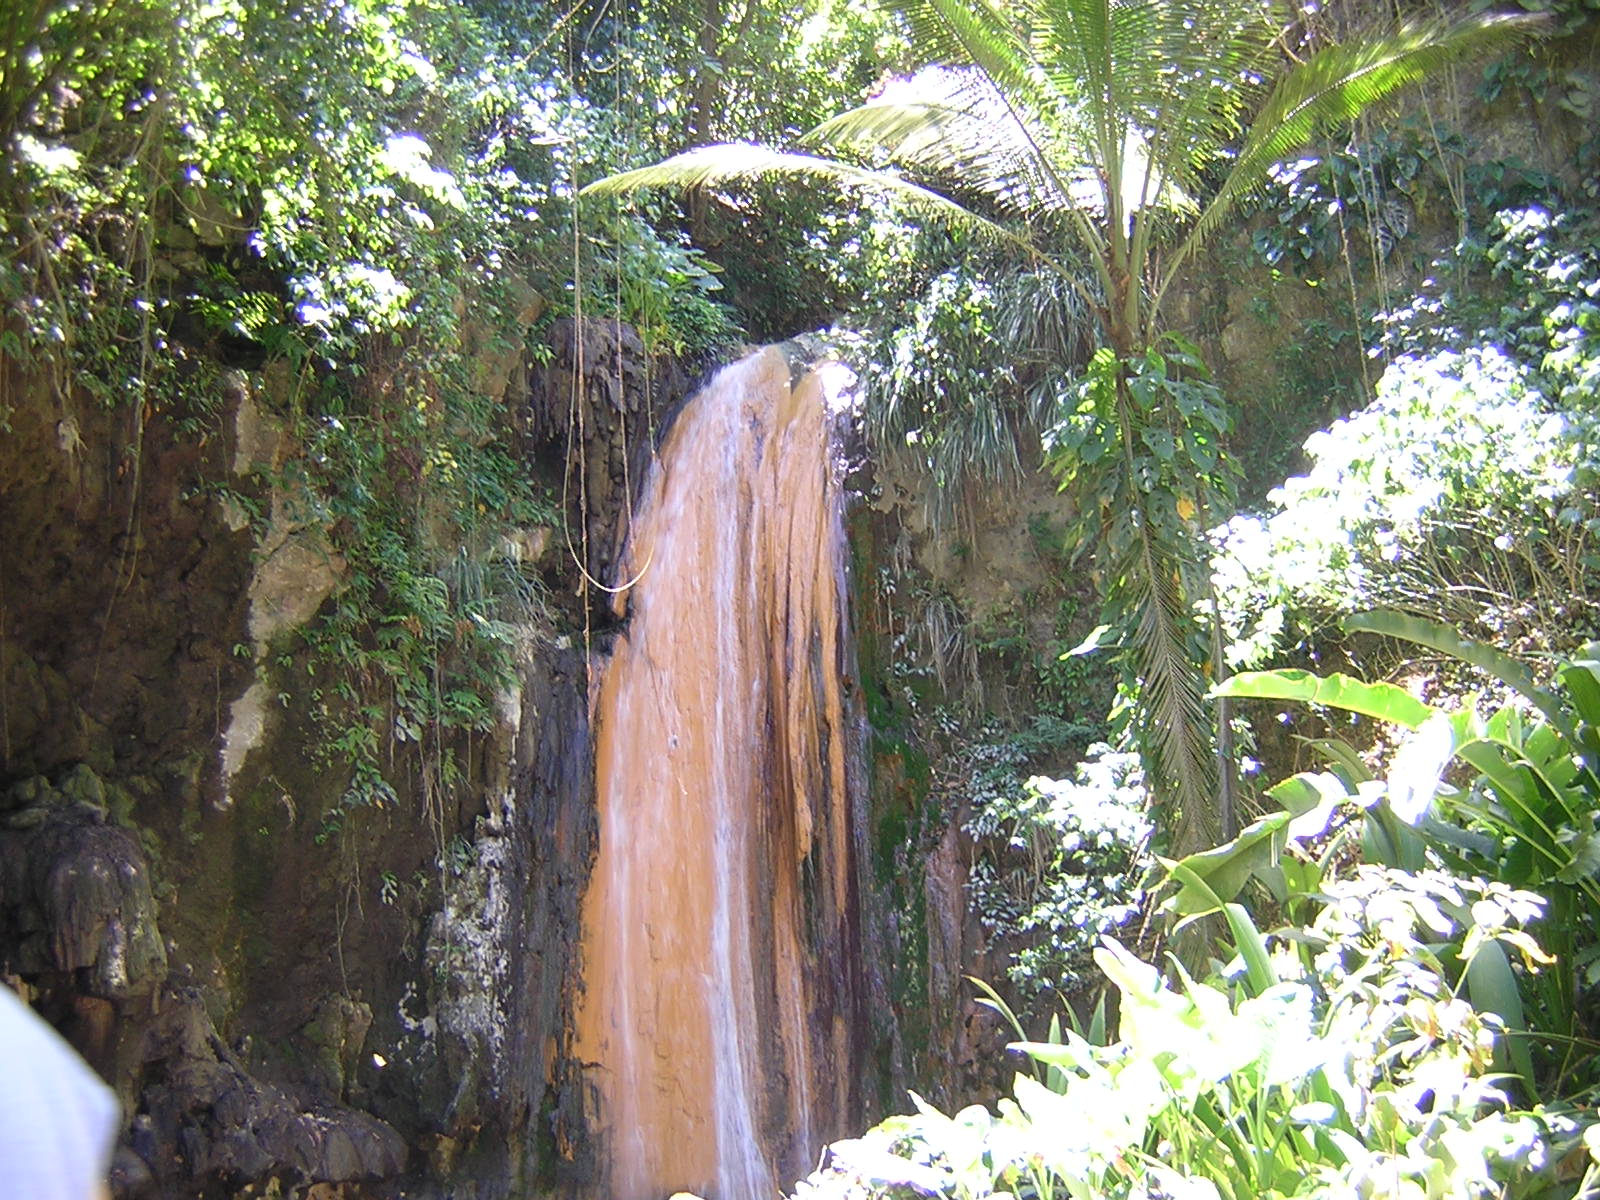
[(1130, 131)]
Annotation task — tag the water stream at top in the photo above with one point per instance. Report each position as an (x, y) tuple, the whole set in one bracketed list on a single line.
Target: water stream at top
[(719, 929)]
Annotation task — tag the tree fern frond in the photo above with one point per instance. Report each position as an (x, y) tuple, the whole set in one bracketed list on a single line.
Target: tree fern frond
[(952, 124), (1335, 85), (742, 162)]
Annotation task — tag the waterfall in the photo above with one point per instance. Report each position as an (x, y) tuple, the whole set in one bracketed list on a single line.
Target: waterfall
[(720, 927)]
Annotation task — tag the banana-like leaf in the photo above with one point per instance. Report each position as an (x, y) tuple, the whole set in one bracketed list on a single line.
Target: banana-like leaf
[(1416, 769), (1387, 839), (1310, 799), (1585, 864), (1212, 878), (1252, 947), (1384, 701), (1465, 841), (1551, 828), (1344, 758), (1446, 640), (1581, 677), (1581, 680)]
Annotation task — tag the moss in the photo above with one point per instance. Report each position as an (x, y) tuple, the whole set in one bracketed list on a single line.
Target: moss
[(891, 832)]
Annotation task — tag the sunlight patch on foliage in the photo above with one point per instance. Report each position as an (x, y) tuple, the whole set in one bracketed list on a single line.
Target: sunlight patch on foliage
[(1460, 456)]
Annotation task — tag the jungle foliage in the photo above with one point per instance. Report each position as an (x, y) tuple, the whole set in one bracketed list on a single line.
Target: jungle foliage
[(1129, 133), (1412, 1026), (362, 216), (1401, 995), (352, 207)]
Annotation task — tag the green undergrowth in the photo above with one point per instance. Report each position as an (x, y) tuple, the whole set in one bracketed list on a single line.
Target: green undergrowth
[(1392, 999), (904, 822), (1462, 492), (1057, 864)]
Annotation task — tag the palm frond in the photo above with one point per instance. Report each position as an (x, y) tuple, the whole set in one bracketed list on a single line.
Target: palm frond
[(1073, 39), (1211, 57), (742, 162), (958, 33), (1171, 699), (952, 123), (977, 33), (1335, 85)]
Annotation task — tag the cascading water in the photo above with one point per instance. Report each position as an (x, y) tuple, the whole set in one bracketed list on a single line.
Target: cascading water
[(720, 928)]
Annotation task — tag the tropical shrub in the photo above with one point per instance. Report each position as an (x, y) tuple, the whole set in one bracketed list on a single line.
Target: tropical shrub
[(1058, 864), (1460, 494), (1390, 1038), (1511, 794), (1364, 1076), (1500, 341), (663, 287)]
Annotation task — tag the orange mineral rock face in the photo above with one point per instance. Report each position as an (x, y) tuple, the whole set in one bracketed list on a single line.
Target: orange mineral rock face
[(711, 1023)]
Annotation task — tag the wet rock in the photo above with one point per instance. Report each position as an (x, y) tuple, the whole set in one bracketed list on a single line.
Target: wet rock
[(75, 892), (130, 1175), (486, 1042), (495, 355), (334, 1037), (209, 1124), (297, 568), (258, 436), (601, 403)]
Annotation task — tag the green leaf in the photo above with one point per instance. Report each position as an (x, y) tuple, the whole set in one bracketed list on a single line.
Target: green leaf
[(1384, 701), (1343, 757), (1585, 864), (1582, 681), (1161, 443), (1492, 987), (1143, 389), (1252, 948), (1208, 880), (1445, 640), (735, 162), (1388, 840), (1307, 792), (1333, 86), (1070, 1053)]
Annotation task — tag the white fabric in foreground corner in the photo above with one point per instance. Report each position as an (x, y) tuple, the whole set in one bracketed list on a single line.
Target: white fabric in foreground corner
[(58, 1120)]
